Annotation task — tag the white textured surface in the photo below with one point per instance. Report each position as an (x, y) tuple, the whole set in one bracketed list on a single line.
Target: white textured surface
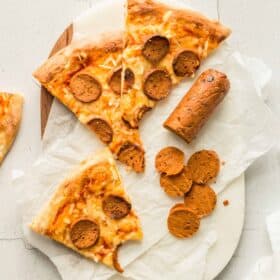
[(28, 29)]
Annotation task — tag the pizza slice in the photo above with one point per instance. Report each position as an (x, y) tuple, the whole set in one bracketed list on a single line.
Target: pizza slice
[(90, 212), (86, 78), (10, 117), (163, 46)]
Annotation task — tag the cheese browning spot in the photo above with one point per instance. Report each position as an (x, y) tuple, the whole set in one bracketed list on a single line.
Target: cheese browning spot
[(102, 129), (129, 79), (182, 222), (116, 207), (156, 48), (185, 64), (204, 166), (177, 185), (201, 200), (169, 161), (85, 88), (116, 263), (84, 233), (157, 84), (133, 156)]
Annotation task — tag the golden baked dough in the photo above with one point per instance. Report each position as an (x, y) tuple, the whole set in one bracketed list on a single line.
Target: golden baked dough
[(82, 77), (75, 214), (159, 37), (10, 117)]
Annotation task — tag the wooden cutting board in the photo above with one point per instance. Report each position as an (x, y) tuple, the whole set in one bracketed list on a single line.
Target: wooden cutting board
[(46, 98)]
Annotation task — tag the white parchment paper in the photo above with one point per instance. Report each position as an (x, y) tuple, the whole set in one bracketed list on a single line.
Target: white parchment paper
[(241, 130)]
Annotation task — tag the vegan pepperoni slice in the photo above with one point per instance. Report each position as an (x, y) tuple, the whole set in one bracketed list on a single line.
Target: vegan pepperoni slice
[(169, 161), (185, 64), (177, 185), (204, 166), (115, 80), (84, 233), (85, 88), (156, 48), (116, 207), (182, 222), (102, 128), (201, 199), (157, 84), (133, 156)]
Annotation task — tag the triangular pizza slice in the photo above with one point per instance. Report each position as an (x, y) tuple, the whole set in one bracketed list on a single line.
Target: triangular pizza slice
[(90, 212), (163, 46), (86, 78), (10, 118)]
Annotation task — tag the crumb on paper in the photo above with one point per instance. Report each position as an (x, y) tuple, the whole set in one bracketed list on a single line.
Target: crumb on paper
[(226, 202), (223, 162)]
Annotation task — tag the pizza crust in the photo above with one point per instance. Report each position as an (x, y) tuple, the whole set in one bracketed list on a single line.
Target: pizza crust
[(10, 117)]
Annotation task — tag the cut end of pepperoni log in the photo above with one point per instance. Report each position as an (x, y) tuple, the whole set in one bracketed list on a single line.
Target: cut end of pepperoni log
[(115, 82), (186, 64), (156, 48), (85, 88), (116, 207), (133, 156), (84, 233), (102, 128), (157, 84)]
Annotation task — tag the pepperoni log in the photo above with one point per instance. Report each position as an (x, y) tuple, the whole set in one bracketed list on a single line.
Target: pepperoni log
[(155, 49), (85, 88), (157, 84), (198, 104)]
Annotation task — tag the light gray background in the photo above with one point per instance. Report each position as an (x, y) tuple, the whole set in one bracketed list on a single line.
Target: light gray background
[(28, 30)]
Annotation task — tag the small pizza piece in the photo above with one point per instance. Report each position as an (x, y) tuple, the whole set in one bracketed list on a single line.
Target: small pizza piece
[(182, 222), (177, 185), (201, 200), (204, 166), (10, 118), (169, 161), (198, 104), (167, 43), (90, 212), (226, 202), (87, 79)]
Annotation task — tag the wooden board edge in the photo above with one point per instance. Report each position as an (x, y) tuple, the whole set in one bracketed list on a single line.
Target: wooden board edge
[(46, 98)]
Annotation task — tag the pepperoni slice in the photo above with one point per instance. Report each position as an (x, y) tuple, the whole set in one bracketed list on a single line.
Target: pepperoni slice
[(116, 263), (204, 166), (116, 207), (129, 79), (85, 88), (102, 129), (133, 156), (157, 84), (185, 64), (182, 222), (116, 80), (177, 185), (201, 200), (84, 233), (169, 161), (156, 48)]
